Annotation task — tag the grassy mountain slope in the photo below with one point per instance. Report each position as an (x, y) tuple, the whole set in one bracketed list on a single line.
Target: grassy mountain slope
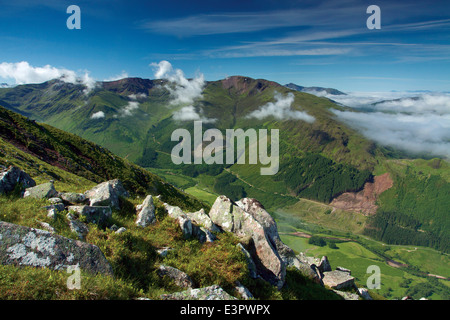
[(82, 158), (318, 160)]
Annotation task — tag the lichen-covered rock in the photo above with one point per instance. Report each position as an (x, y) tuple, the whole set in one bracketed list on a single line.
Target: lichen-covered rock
[(12, 177), (232, 218), (213, 292), (42, 191), (201, 219), (180, 278), (24, 246), (107, 194), (364, 293), (243, 291), (257, 210), (250, 263), (73, 198), (146, 213), (79, 228), (324, 265), (193, 224), (338, 280), (99, 215), (347, 295)]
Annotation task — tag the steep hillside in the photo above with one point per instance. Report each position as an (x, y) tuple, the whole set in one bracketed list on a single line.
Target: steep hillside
[(48, 146), (319, 160)]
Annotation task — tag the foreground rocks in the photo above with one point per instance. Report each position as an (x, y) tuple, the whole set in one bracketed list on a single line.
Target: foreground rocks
[(180, 278), (23, 246), (12, 177), (207, 293), (146, 212), (257, 232), (42, 191), (106, 194)]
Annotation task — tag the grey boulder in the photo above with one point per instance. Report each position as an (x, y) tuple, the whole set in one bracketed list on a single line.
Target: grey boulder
[(24, 246)]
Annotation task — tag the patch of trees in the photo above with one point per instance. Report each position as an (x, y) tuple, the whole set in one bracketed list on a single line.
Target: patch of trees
[(224, 185), (401, 229), (318, 178)]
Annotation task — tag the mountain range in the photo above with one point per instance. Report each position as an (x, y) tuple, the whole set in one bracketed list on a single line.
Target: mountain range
[(321, 158)]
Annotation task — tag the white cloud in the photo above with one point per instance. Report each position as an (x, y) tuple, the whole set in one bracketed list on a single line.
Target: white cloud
[(189, 113), (418, 123), (281, 109), (135, 96), (23, 73), (186, 91), (183, 91), (98, 115), (128, 109)]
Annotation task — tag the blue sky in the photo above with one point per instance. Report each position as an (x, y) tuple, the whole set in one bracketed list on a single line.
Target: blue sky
[(310, 43)]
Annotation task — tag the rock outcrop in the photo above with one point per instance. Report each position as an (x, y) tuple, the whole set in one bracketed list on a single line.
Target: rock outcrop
[(338, 280), (42, 191), (12, 177), (24, 246), (146, 212), (98, 214), (213, 292), (107, 194), (193, 224), (180, 278), (232, 218)]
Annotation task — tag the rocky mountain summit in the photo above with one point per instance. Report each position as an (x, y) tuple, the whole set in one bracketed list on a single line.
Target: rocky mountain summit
[(267, 257)]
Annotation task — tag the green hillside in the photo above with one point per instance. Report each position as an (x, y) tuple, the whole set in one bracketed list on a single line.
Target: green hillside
[(318, 160), (69, 153)]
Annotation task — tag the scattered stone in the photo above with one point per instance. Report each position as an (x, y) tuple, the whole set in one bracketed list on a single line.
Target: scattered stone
[(121, 230), (163, 251), (99, 214), (364, 293), (114, 228), (180, 278), (338, 280), (58, 207), (47, 227), (24, 246), (344, 270), (324, 265), (73, 198), (193, 224), (243, 291), (13, 176), (250, 263), (213, 292), (55, 200), (146, 213), (347, 295), (42, 191), (232, 218), (200, 218), (79, 228), (106, 194)]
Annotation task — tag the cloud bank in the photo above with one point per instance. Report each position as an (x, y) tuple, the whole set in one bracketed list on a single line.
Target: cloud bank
[(281, 110), (24, 73), (414, 122), (183, 91)]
